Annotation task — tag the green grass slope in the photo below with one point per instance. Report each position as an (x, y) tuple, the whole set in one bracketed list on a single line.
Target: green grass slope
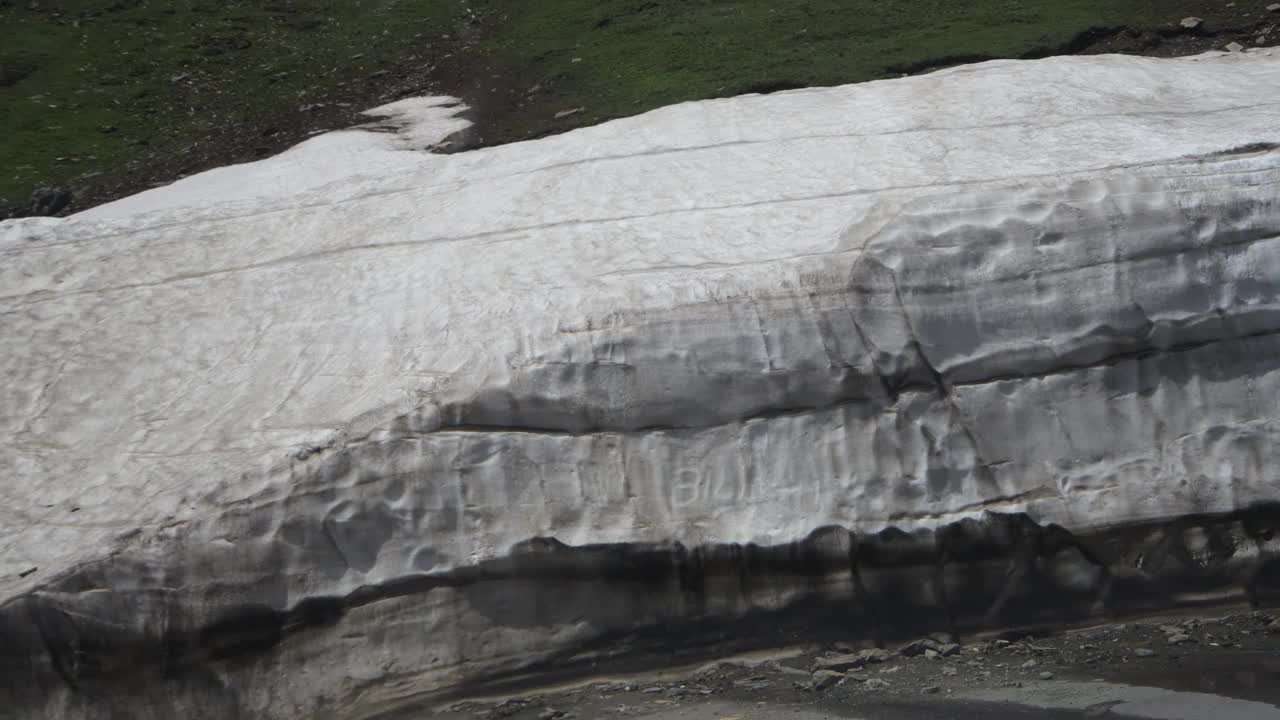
[(91, 87)]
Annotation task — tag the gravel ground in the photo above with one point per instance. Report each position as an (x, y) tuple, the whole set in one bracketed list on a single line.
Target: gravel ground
[(1225, 667)]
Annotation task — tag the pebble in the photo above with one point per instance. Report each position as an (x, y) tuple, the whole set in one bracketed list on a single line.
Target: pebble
[(1178, 638), (1191, 23), (1273, 7), (1046, 675), (930, 690), (1029, 664), (1234, 47), (1144, 652)]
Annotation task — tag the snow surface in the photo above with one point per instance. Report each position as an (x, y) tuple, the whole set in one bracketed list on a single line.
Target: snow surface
[(1047, 286), (696, 324)]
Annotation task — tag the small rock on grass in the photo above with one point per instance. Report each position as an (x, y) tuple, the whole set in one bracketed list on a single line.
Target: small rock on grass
[(930, 690), (1234, 47), (1191, 23), (1178, 638), (1273, 7), (1046, 675), (1144, 652)]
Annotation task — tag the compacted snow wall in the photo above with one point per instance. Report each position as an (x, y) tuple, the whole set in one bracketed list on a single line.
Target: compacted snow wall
[(362, 425)]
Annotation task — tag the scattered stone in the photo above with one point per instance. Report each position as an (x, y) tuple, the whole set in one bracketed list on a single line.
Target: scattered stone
[(875, 684), (753, 684), (930, 690), (932, 654), (919, 647), (949, 671), (1029, 664), (840, 663), (824, 679), (875, 655), (566, 113), (1144, 652), (1234, 47), (1178, 638), (778, 667), (1273, 7), (1191, 23), (948, 649), (553, 714), (1046, 675), (49, 201), (1274, 626), (1002, 643), (506, 708)]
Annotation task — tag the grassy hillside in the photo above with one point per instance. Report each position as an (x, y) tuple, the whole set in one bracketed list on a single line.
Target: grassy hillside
[(105, 96)]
